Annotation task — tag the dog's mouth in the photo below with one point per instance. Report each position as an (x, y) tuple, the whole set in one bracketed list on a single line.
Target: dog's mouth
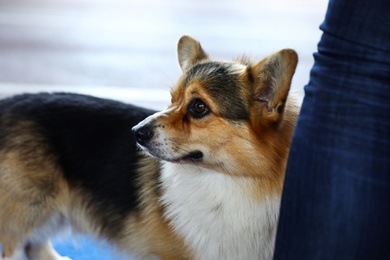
[(192, 157)]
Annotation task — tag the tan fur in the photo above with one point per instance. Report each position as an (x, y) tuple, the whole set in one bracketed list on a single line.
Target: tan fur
[(30, 190), (151, 233)]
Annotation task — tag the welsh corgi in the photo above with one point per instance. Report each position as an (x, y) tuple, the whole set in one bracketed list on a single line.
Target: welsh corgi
[(201, 179)]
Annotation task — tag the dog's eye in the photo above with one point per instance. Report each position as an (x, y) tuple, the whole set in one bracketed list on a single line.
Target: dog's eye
[(198, 108)]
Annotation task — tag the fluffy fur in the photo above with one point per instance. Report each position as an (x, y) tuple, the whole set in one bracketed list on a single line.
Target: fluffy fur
[(206, 183)]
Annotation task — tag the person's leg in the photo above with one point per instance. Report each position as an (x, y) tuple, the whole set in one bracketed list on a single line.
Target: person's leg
[(336, 198)]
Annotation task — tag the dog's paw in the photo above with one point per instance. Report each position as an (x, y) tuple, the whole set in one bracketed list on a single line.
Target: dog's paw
[(17, 255)]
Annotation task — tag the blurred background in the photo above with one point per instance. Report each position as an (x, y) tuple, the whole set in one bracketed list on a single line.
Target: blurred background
[(126, 50)]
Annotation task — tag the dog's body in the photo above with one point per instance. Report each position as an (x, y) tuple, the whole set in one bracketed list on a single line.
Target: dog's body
[(210, 190)]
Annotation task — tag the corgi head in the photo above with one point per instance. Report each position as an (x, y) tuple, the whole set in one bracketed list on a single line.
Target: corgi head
[(232, 117)]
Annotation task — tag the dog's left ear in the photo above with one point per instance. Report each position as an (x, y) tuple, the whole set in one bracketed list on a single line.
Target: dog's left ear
[(271, 83), (189, 52)]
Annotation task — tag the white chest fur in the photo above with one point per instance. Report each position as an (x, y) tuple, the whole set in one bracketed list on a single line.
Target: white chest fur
[(215, 214)]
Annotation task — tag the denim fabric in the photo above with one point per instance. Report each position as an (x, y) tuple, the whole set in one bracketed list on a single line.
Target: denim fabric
[(336, 197)]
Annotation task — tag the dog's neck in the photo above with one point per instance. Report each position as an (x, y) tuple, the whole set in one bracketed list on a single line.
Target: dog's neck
[(218, 216)]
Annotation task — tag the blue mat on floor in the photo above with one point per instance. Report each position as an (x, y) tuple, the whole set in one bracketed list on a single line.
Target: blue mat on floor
[(84, 248)]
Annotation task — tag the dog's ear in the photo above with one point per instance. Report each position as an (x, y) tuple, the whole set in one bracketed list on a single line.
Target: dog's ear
[(189, 52), (271, 83)]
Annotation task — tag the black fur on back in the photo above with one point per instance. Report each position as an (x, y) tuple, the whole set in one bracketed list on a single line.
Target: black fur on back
[(92, 141)]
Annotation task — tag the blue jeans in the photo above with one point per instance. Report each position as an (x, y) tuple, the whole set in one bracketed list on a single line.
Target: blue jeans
[(336, 197)]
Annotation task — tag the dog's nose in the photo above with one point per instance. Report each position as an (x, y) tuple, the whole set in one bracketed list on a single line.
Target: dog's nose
[(143, 134)]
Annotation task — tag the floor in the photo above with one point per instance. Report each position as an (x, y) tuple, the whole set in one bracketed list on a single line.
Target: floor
[(126, 49)]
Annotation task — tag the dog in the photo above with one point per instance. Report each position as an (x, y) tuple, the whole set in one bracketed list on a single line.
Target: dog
[(201, 179)]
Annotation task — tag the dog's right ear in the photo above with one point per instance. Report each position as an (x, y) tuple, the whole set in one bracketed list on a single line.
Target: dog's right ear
[(189, 52)]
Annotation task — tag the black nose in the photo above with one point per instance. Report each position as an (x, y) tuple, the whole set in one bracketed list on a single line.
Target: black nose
[(143, 134)]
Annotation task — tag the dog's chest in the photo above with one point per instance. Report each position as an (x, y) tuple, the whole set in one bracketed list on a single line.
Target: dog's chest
[(215, 214)]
